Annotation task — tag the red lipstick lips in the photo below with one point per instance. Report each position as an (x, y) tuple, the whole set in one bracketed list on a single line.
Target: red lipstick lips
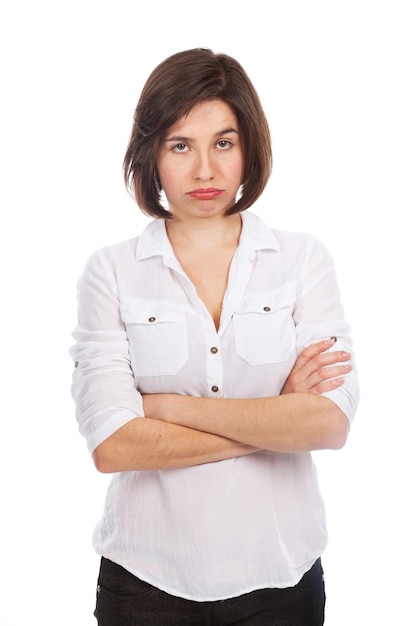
[(207, 193)]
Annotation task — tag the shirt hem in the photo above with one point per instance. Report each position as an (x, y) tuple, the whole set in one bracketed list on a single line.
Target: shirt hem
[(234, 594)]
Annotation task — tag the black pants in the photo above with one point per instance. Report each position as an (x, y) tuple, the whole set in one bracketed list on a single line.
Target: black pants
[(124, 600)]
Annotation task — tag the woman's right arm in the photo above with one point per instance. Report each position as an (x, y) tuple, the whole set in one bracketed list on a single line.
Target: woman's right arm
[(147, 444), (109, 407)]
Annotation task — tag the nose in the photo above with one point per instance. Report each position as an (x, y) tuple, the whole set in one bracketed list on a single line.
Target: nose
[(204, 166)]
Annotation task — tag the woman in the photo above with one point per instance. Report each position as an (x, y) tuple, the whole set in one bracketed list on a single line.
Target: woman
[(204, 372)]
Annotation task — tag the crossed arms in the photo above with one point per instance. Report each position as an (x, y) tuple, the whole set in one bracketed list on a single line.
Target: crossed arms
[(181, 431)]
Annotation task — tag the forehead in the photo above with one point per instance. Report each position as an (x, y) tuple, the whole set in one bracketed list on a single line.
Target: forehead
[(210, 115)]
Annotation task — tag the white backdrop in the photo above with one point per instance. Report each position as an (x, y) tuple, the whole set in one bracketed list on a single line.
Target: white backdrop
[(340, 85)]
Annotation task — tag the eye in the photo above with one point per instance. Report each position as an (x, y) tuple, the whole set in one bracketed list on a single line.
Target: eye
[(224, 144), (180, 148)]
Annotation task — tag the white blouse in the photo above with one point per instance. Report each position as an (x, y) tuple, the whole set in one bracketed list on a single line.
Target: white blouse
[(216, 530)]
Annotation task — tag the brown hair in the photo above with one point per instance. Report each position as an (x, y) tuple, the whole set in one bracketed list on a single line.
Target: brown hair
[(173, 88)]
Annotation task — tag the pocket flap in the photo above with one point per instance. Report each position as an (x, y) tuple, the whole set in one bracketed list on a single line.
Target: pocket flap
[(135, 311), (268, 302)]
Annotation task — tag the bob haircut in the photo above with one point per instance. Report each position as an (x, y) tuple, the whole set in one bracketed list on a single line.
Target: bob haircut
[(173, 88)]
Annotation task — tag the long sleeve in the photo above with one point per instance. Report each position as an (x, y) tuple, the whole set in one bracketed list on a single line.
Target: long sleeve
[(103, 384), (319, 314)]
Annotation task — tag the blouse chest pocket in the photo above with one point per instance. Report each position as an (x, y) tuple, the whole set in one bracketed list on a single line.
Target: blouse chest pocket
[(157, 335), (264, 327)]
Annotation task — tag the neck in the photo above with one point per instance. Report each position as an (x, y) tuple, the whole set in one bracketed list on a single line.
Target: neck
[(204, 233)]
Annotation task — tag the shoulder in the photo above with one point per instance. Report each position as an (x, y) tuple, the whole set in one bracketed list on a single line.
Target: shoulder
[(285, 238), (296, 250), (299, 243), (105, 263), (114, 252), (125, 253)]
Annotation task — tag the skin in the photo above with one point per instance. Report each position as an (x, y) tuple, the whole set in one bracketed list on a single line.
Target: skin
[(204, 151)]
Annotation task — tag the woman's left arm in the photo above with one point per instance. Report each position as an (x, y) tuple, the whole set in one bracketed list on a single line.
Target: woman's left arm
[(320, 396), (293, 422)]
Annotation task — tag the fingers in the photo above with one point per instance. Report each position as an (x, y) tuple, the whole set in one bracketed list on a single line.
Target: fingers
[(318, 355), (314, 350), (328, 385), (321, 380), (318, 369), (327, 373)]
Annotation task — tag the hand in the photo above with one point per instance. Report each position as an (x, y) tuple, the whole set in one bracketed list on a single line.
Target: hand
[(317, 371)]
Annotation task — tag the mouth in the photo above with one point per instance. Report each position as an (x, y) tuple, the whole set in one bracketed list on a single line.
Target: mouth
[(207, 193)]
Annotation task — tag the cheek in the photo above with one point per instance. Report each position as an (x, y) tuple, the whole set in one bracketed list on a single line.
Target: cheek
[(167, 175), (237, 170), (172, 167)]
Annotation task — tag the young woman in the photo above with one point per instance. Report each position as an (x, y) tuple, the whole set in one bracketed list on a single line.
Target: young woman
[(211, 357)]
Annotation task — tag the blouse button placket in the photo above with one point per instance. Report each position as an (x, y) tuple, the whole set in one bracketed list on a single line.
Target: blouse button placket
[(214, 368)]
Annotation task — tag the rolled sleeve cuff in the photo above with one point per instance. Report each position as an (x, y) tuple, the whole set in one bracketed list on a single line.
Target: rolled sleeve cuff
[(346, 397), (108, 427)]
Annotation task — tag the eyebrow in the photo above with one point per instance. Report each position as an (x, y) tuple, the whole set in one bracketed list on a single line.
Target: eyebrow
[(183, 139)]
